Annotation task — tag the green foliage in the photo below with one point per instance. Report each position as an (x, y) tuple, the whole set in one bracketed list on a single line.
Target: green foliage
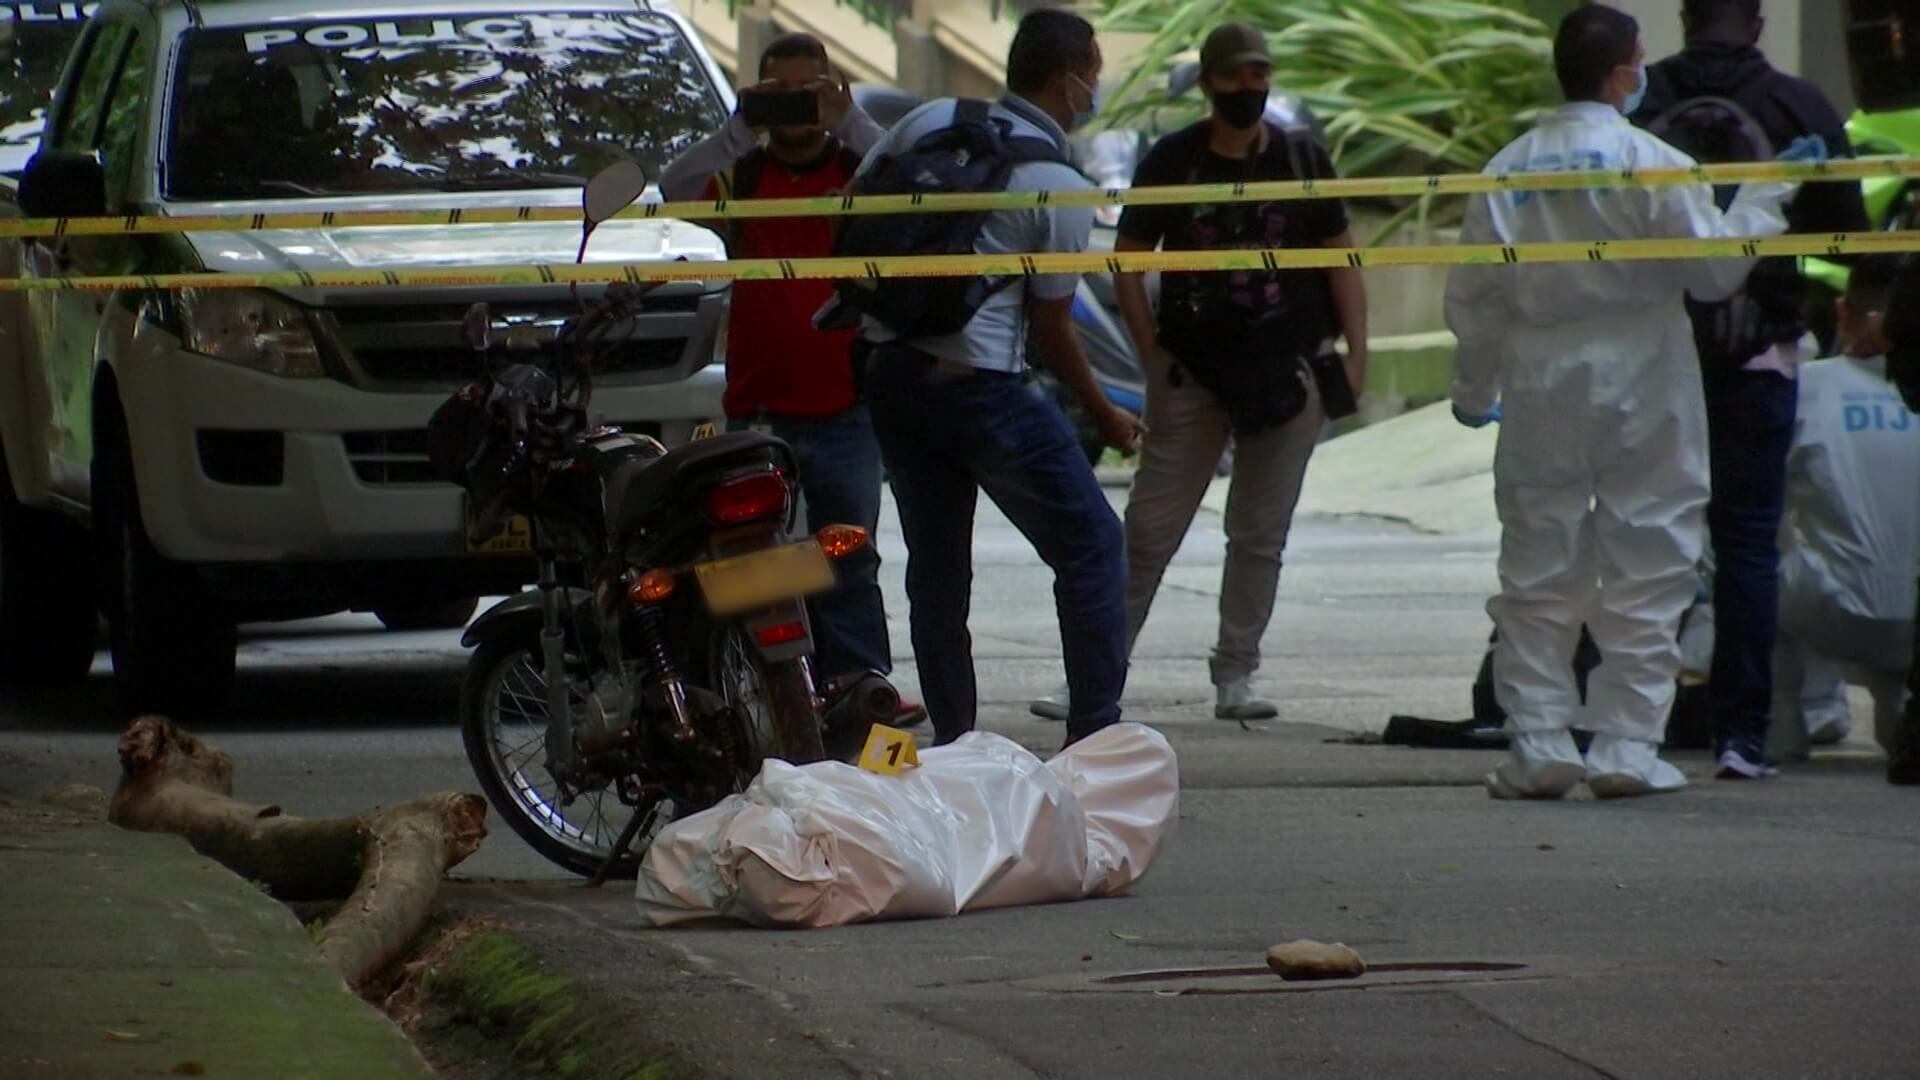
[(1402, 86)]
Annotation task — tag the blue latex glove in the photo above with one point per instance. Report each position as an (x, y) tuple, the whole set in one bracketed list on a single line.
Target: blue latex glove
[(1807, 149), (1477, 422)]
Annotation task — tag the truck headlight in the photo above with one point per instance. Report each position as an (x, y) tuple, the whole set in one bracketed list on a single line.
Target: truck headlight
[(251, 328)]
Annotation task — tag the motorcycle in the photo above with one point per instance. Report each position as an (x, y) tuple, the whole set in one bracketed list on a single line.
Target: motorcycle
[(666, 650)]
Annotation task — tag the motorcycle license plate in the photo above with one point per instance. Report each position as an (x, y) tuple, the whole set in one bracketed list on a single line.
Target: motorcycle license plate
[(760, 578), (515, 539)]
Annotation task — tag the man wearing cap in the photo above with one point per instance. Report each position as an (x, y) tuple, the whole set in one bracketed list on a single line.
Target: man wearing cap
[(1244, 353)]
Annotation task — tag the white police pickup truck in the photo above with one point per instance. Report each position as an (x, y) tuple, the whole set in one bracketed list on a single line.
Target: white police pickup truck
[(188, 460)]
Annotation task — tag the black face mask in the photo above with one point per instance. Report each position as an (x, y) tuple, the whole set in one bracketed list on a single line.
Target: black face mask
[(1240, 108)]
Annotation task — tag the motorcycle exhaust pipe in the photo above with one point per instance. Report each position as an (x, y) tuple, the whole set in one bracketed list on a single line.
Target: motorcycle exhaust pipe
[(853, 705)]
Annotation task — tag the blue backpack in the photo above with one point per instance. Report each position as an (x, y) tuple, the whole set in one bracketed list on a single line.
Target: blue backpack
[(976, 153)]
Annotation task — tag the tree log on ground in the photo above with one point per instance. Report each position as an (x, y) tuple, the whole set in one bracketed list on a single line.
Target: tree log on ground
[(387, 864)]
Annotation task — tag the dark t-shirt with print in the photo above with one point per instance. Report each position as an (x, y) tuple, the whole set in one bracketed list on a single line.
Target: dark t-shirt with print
[(1282, 313)]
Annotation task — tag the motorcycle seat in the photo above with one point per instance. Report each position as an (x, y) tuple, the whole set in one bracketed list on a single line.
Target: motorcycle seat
[(640, 487)]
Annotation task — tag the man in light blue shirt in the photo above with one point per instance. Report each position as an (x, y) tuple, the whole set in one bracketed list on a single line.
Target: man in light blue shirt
[(955, 415)]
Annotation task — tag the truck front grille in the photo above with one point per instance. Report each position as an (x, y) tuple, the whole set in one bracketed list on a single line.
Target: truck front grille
[(397, 458), (458, 365)]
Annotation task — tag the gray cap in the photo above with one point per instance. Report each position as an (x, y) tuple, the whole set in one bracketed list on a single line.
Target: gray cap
[(1231, 45)]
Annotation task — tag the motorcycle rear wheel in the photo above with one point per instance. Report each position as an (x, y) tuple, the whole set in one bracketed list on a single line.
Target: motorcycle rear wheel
[(503, 722)]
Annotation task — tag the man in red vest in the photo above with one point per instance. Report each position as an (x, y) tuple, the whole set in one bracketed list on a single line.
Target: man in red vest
[(784, 376)]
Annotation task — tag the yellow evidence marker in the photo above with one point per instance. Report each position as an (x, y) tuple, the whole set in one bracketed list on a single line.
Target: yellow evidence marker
[(888, 751)]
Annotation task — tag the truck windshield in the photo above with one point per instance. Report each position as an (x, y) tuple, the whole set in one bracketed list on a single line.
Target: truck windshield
[(433, 103), (34, 42)]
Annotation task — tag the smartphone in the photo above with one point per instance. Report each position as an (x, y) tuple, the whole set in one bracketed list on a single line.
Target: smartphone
[(779, 108)]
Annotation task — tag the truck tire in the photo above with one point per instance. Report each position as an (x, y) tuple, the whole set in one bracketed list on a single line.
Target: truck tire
[(47, 612), (173, 640), (436, 615)]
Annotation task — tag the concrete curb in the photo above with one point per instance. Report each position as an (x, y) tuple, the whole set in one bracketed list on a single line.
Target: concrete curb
[(559, 1026)]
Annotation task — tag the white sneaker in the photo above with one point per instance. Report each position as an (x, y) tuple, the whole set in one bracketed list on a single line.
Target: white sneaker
[(1539, 765), (1235, 701), (1827, 730), (1056, 706), (1619, 768)]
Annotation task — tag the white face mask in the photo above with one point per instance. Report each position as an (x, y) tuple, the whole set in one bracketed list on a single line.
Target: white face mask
[(1639, 95), (1083, 117)]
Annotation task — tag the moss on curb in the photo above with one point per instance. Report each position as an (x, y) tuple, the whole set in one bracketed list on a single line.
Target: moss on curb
[(560, 1026)]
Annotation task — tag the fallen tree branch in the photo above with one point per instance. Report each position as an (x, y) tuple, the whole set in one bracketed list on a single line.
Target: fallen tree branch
[(387, 863)]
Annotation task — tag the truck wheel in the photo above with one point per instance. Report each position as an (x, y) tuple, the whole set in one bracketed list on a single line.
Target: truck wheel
[(47, 614), (437, 615), (173, 640)]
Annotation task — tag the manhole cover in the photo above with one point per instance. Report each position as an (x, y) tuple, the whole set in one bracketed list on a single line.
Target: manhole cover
[(1186, 982)]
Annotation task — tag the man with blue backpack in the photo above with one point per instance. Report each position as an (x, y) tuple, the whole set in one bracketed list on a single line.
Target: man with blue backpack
[(946, 371), (1720, 101)]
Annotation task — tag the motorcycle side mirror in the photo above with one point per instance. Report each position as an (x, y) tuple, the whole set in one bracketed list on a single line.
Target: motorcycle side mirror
[(611, 190), (477, 327)]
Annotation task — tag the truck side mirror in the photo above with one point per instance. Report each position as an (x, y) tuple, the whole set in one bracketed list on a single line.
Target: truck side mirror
[(64, 184)]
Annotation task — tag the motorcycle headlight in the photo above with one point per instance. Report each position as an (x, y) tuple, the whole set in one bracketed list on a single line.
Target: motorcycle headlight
[(251, 328)]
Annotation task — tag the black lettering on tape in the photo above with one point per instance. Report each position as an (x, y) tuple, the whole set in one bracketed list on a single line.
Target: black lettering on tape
[(132, 223), (1113, 266), (917, 198), (259, 221), (787, 271), (1028, 266), (1509, 255), (546, 273), (306, 279), (873, 270), (1356, 260), (453, 216), (391, 277), (1750, 249), (60, 227), (1267, 260), (846, 202), (1042, 198), (326, 220)]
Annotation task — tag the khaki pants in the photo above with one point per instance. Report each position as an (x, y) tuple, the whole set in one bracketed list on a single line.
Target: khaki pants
[(1187, 431)]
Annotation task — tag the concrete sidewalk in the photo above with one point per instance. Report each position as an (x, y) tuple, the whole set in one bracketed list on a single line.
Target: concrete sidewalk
[(127, 954)]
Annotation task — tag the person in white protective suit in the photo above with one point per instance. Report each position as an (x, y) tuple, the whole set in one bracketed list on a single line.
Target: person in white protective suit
[(1853, 511), (1600, 475)]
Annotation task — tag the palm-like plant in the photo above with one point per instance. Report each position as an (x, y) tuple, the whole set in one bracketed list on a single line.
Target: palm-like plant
[(1402, 86)]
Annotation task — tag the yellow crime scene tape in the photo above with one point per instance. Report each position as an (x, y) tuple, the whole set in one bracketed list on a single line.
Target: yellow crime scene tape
[(1821, 246), (851, 205)]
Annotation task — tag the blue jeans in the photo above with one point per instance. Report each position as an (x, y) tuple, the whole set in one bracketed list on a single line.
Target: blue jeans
[(1750, 418), (840, 484), (945, 438)]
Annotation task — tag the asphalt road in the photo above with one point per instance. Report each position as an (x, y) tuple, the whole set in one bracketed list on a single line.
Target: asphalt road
[(1729, 930)]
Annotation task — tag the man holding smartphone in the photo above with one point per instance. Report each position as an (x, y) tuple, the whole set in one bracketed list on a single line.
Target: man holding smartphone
[(783, 375)]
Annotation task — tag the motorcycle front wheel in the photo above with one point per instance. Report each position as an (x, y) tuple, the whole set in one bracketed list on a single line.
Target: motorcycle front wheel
[(503, 721)]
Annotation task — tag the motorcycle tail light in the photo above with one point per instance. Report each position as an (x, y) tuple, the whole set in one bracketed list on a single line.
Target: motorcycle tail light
[(780, 634), (840, 541), (651, 587), (748, 499)]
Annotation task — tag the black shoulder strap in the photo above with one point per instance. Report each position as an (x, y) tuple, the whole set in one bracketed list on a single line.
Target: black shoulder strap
[(746, 173), (971, 111)]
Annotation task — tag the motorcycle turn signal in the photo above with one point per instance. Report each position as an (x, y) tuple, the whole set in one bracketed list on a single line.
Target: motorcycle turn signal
[(651, 587), (840, 541)]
